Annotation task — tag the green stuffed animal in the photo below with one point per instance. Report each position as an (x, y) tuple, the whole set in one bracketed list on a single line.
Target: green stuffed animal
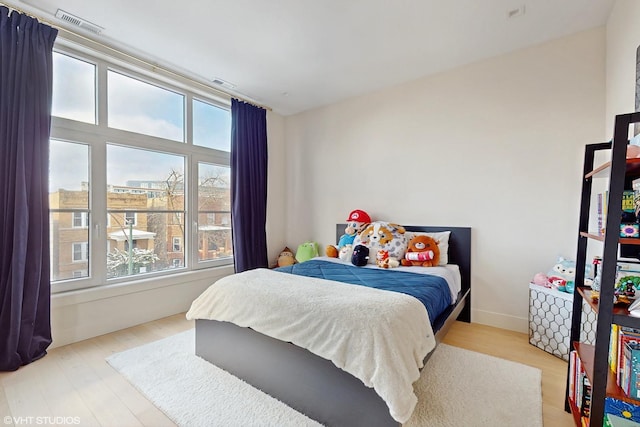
[(306, 251)]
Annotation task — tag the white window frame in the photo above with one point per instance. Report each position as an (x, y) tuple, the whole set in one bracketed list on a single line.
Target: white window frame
[(83, 220), (127, 216), (178, 244), (98, 135), (84, 251)]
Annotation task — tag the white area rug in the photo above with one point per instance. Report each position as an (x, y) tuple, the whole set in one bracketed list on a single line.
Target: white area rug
[(457, 388)]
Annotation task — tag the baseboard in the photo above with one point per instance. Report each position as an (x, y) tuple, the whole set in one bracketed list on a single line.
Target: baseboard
[(86, 318), (500, 320)]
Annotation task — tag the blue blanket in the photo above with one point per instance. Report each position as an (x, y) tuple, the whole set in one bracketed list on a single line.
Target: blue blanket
[(432, 291)]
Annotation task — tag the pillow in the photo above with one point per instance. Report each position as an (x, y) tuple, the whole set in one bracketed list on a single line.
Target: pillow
[(381, 235), (442, 237)]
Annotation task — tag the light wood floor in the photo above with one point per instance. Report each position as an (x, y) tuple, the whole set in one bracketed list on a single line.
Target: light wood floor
[(75, 382)]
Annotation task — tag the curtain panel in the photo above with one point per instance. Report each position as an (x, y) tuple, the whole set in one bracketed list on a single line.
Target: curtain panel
[(25, 120), (248, 185)]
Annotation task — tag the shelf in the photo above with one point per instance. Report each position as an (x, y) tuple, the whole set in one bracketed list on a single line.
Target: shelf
[(586, 352), (621, 240), (620, 313), (575, 412), (633, 168)]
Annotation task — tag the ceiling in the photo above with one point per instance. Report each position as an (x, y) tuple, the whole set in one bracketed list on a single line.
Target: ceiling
[(294, 55)]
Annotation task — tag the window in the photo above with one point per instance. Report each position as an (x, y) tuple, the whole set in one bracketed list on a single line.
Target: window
[(68, 208), (130, 218), (80, 251), (211, 126), (214, 212), (144, 108), (80, 219), (122, 209), (76, 80)]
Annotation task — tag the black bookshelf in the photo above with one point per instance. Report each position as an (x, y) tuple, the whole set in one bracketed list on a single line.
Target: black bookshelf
[(620, 173)]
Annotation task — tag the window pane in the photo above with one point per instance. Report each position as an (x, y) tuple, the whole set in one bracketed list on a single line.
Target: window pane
[(214, 212), (142, 179), (74, 89), (144, 248), (211, 126), (69, 248), (65, 178), (140, 107), (140, 182), (69, 206)]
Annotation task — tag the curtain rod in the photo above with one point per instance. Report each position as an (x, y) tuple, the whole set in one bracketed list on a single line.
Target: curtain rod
[(153, 67)]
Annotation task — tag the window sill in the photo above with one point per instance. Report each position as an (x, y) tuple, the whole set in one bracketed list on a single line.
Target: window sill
[(123, 288)]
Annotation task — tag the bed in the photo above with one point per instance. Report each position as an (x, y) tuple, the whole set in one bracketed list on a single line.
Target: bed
[(312, 384)]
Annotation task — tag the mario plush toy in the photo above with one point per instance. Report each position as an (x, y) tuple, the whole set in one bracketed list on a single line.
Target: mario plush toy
[(356, 222)]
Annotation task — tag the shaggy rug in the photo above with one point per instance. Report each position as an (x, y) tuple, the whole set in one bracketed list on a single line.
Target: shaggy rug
[(457, 388)]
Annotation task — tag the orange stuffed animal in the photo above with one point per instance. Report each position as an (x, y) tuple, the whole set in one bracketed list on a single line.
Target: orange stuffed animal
[(422, 251)]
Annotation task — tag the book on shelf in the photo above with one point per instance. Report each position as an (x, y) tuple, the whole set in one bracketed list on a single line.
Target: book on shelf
[(628, 201), (620, 413), (599, 205), (613, 347), (625, 335), (611, 420), (631, 370), (585, 407)]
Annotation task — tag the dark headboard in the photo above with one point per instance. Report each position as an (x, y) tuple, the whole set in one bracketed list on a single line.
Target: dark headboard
[(459, 247)]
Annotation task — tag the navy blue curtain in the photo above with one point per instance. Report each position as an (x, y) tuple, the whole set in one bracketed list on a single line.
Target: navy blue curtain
[(248, 185), (25, 120)]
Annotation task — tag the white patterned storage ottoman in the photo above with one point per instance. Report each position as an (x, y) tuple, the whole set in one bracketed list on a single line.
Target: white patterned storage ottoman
[(550, 320)]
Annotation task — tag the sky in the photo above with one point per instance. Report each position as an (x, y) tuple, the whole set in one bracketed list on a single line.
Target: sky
[(132, 105)]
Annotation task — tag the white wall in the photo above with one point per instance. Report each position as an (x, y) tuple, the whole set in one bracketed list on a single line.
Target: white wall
[(623, 39), (496, 145), (83, 314)]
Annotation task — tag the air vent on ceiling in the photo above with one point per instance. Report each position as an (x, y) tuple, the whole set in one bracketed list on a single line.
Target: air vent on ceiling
[(79, 22), (223, 83)]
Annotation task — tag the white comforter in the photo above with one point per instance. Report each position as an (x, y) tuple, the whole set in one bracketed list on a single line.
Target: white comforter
[(380, 337)]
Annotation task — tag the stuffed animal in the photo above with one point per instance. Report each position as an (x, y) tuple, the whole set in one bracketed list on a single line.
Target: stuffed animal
[(562, 275), (345, 252), (422, 251), (385, 261), (286, 258), (386, 236), (360, 256), (541, 279), (356, 222), (306, 251)]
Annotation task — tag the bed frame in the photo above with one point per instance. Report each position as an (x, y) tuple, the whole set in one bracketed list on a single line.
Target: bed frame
[(308, 383)]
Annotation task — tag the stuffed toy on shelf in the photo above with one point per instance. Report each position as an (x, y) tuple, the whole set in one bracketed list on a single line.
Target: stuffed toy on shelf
[(356, 222)]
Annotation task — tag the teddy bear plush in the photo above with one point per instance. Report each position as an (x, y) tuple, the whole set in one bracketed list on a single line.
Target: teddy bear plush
[(422, 251), (356, 222)]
